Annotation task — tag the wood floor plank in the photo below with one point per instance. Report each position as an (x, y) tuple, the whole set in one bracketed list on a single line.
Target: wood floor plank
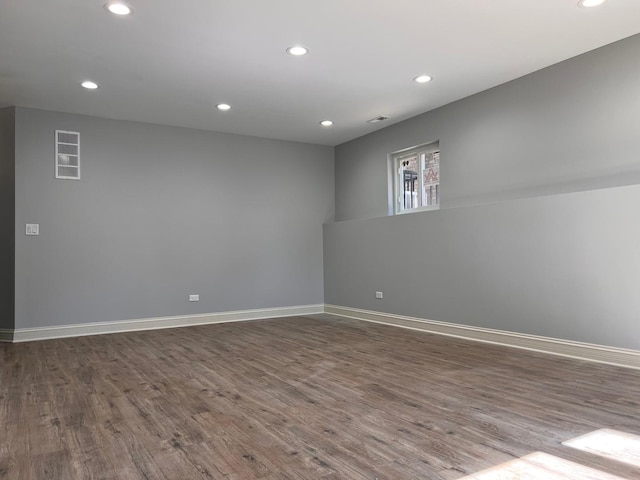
[(296, 398)]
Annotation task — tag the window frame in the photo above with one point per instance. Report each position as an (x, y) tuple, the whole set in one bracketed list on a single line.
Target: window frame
[(396, 192), (58, 165)]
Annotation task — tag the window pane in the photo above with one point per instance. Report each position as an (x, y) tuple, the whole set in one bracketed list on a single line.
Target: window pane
[(417, 178), (431, 178), (64, 160), (65, 149), (68, 172), (408, 187), (68, 137)]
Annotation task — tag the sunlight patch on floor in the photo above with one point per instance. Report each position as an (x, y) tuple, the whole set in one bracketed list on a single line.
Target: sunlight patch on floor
[(620, 446), (540, 466)]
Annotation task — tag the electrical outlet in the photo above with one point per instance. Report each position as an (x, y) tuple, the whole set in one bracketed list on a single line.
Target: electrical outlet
[(378, 295), (194, 298)]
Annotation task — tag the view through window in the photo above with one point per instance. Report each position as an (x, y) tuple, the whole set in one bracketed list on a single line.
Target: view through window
[(417, 178)]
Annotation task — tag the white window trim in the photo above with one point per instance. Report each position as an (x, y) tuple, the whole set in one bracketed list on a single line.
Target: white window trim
[(417, 209), (64, 177), (394, 193)]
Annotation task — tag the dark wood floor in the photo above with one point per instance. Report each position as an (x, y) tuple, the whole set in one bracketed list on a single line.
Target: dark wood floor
[(297, 398)]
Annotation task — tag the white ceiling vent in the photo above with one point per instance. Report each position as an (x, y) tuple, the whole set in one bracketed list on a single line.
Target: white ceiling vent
[(378, 119), (67, 155)]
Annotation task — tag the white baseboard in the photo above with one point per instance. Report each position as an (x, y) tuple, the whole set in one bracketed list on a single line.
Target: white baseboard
[(584, 351), (79, 330), (6, 335)]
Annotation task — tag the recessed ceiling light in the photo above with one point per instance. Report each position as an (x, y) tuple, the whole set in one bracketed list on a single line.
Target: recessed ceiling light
[(89, 85), (297, 50), (223, 106), (590, 3), (119, 8), (422, 79), (326, 123)]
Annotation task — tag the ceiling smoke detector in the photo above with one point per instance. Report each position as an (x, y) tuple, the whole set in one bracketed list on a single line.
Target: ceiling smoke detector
[(378, 119)]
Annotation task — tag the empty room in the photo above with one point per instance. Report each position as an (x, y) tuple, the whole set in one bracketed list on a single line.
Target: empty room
[(357, 240)]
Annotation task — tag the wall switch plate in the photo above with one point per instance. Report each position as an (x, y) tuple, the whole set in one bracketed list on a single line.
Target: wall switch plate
[(33, 229), (194, 298), (378, 295)]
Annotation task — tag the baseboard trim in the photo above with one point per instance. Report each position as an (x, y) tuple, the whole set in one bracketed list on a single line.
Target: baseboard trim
[(100, 328), (6, 335), (565, 348), (583, 351)]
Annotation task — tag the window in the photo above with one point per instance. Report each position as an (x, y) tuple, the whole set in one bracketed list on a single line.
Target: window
[(417, 178), (67, 155)]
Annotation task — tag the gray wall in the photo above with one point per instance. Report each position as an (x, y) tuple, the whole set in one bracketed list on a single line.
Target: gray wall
[(162, 212), (570, 127), (7, 205), (506, 251), (564, 266)]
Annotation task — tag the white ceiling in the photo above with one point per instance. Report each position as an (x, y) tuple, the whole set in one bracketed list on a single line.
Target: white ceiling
[(173, 61)]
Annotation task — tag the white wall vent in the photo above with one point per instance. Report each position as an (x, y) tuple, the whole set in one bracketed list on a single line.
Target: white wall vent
[(378, 119), (67, 155)]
